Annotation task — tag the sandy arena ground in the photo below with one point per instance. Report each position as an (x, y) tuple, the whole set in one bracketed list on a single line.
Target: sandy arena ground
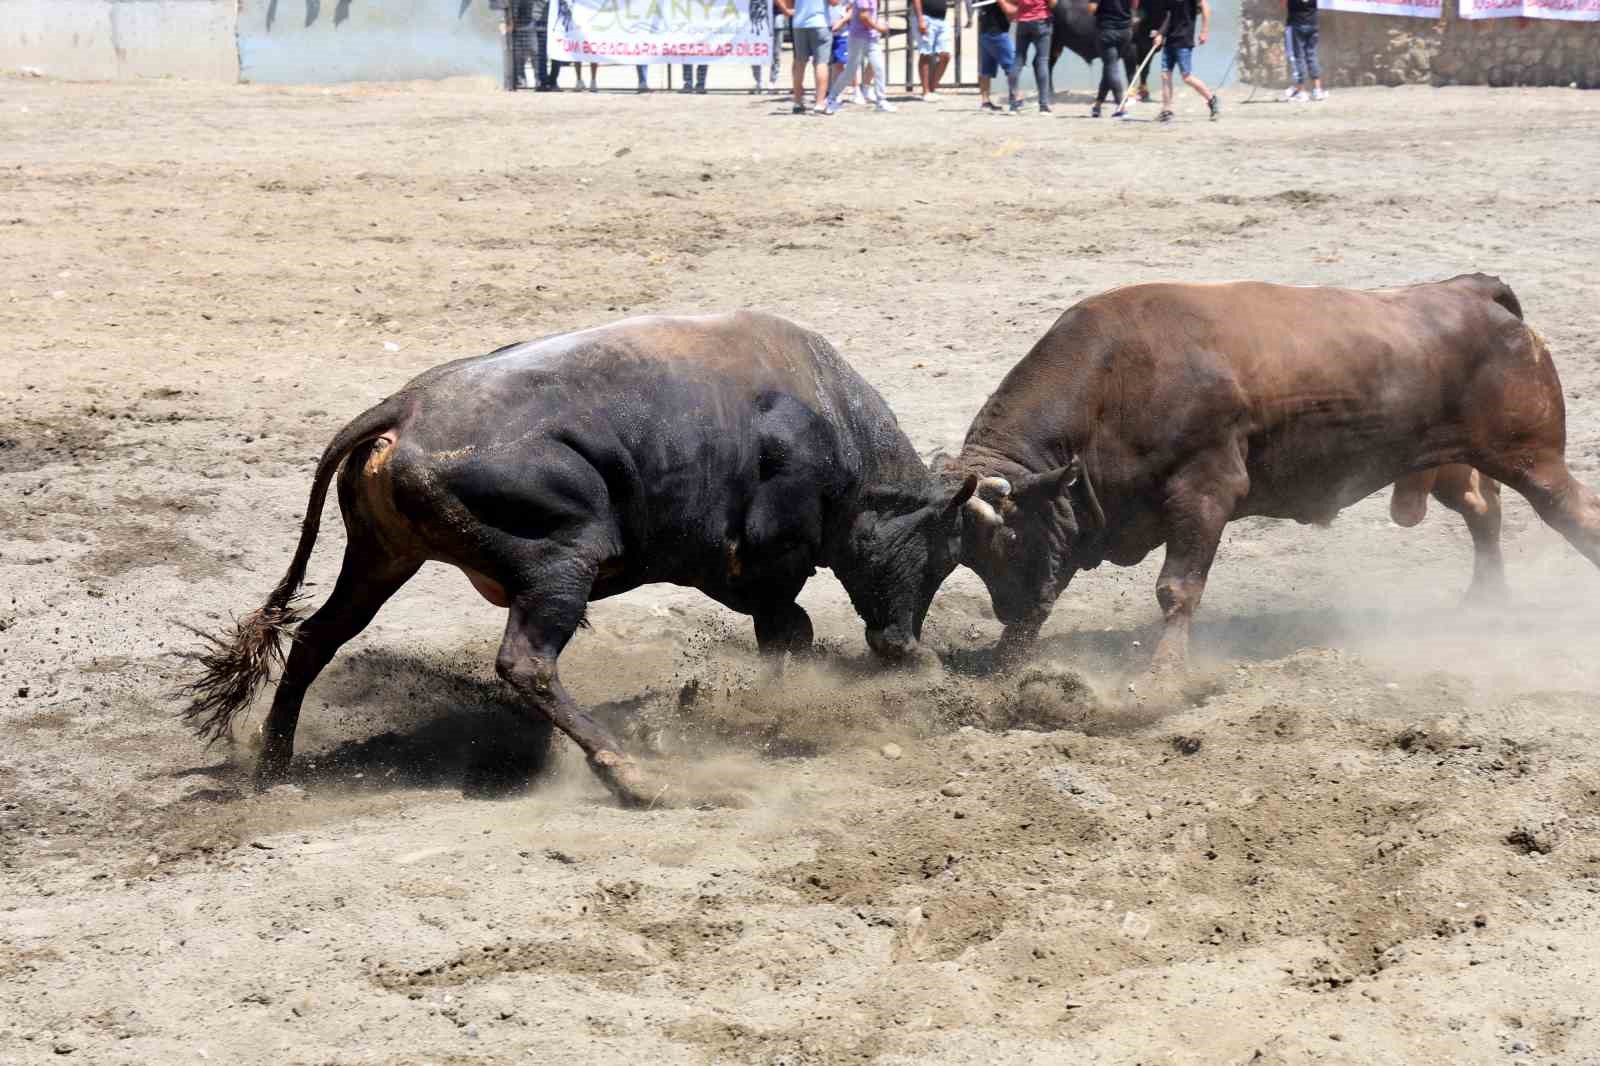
[(1374, 836)]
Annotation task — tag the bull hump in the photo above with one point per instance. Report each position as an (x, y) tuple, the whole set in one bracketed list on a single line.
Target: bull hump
[(746, 348)]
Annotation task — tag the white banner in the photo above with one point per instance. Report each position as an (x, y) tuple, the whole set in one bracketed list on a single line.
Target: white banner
[(1566, 10), (661, 31), (1422, 9)]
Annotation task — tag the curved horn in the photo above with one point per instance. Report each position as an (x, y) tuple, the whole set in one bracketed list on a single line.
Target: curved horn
[(994, 487), (983, 512)]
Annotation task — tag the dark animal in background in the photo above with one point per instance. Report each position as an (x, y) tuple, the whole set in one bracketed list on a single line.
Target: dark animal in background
[(1157, 414), (733, 454), (1072, 29)]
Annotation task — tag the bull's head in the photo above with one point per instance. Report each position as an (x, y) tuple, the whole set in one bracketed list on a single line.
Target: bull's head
[(900, 552), (1020, 539)]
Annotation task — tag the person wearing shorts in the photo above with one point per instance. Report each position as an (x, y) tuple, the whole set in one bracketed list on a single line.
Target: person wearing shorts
[(930, 29), (1177, 46), (813, 44), (996, 53)]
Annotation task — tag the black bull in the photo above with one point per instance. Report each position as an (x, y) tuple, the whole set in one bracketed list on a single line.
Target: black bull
[(1073, 30), (729, 453)]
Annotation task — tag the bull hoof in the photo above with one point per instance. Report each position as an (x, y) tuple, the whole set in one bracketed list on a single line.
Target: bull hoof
[(1014, 647), (271, 770), (637, 790), (1486, 595)]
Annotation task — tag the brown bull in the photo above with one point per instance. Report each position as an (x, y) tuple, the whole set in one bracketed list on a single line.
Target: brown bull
[(1157, 414)]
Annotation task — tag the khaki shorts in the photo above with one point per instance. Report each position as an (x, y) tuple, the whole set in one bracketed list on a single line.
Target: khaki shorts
[(814, 44)]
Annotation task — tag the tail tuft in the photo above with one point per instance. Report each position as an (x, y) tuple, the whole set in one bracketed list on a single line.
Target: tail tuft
[(233, 667)]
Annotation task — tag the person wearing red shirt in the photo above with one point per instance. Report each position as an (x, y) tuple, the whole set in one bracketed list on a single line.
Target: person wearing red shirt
[(1033, 28)]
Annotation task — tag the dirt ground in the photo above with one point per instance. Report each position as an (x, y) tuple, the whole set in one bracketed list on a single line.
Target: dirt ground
[(1373, 836)]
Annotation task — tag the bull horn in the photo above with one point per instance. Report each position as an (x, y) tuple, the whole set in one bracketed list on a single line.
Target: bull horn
[(983, 512), (996, 486)]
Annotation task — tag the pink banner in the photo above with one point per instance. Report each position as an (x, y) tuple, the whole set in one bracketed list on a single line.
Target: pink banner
[(1565, 10), (1422, 9)]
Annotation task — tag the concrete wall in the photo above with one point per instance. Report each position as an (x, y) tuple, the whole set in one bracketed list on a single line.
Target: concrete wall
[(110, 40), (300, 41), (1387, 50)]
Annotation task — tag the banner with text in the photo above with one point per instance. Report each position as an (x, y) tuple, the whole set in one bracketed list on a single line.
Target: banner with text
[(1566, 10), (1422, 9), (661, 31)]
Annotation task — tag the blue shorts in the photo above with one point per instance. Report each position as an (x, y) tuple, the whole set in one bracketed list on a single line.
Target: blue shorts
[(1173, 56), (841, 48), (996, 52)]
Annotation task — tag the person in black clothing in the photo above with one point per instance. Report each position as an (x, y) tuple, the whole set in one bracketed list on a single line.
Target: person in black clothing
[(1302, 40), (523, 47), (1175, 36), (1142, 47), (1113, 24)]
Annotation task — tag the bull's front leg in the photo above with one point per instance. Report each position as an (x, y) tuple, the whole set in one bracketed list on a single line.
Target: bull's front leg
[(1017, 642), (1199, 504)]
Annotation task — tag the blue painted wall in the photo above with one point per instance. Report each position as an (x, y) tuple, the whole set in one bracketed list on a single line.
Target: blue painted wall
[(320, 41)]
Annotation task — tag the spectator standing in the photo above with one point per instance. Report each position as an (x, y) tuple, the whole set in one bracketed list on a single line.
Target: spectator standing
[(866, 46), (996, 52), (839, 24), (1113, 26), (544, 76), (522, 44), (813, 44), (1142, 47), (694, 78), (1301, 35), (930, 21), (1033, 30), (1177, 46), (1292, 94)]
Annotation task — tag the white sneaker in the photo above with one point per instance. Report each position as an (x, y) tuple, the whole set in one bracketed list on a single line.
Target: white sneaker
[(884, 105), (851, 97), (933, 96), (1318, 94), (1293, 95)]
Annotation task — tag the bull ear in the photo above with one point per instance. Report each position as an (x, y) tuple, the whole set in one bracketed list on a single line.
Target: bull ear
[(963, 494), (1051, 483)]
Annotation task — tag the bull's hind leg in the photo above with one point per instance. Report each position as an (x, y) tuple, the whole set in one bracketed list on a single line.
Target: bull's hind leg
[(1476, 498), (547, 606), (367, 579), (1561, 500)]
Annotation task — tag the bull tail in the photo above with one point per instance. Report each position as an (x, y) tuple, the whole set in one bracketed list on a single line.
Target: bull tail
[(234, 665)]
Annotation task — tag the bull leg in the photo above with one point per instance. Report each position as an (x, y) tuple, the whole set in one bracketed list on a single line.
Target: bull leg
[(783, 627), (1016, 642), (542, 619), (1200, 502), (1561, 500), (366, 581), (1476, 498)]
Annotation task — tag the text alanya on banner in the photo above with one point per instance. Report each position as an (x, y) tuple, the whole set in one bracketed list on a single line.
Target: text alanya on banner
[(1423, 9), (661, 31)]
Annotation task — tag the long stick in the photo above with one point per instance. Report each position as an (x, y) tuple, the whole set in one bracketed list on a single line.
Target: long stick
[(1150, 54)]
